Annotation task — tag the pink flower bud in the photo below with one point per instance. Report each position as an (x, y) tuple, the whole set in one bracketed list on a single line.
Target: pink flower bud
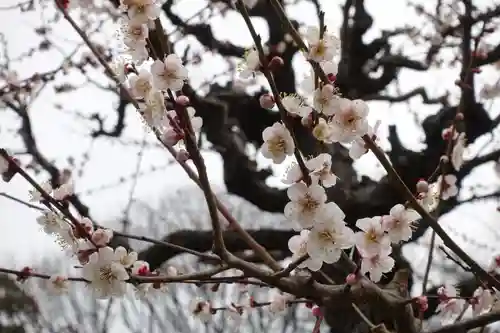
[(276, 63), (351, 279), (182, 100), (422, 303), (316, 311), (422, 186), (182, 155), (171, 137), (332, 77), (266, 101)]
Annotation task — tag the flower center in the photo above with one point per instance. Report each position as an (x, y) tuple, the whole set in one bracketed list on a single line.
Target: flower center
[(308, 203), (371, 236), (320, 48), (326, 236), (277, 145), (106, 273)]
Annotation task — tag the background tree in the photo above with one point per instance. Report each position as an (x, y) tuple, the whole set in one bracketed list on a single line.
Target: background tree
[(450, 35)]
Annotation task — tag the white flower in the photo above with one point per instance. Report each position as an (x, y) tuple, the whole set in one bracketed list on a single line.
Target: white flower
[(358, 147), (37, 196), (323, 49), (124, 258), (490, 91), (449, 186), (4, 165), (138, 52), (298, 246), (377, 263), (51, 222), (325, 100), (330, 68), (201, 309), (449, 305), (350, 120), (141, 11), (169, 74), (234, 315), (321, 169), (135, 32), (293, 174), (306, 203), (196, 122), (118, 66), (399, 222), (153, 109), (106, 275), (295, 105), (58, 285), (457, 154), (251, 64), (372, 239), (141, 85), (63, 191), (329, 235), (482, 301), (278, 143), (322, 131), (101, 237), (429, 200)]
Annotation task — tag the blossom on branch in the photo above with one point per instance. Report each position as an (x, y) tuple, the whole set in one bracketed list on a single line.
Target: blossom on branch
[(106, 275), (278, 143), (306, 203)]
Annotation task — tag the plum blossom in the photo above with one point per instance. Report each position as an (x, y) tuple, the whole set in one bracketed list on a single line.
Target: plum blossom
[(457, 154), (321, 169), (201, 309), (37, 196), (321, 49), (322, 131), (306, 203), (372, 237), (278, 143), (141, 85), (135, 33), (153, 108), (449, 305), (350, 120), (251, 64), (325, 100), (51, 222), (101, 237), (329, 235), (58, 285), (169, 74), (63, 191), (358, 147), (124, 258), (298, 246), (295, 105), (430, 199), (118, 66), (141, 11), (398, 223), (482, 301), (107, 276), (377, 263), (449, 186)]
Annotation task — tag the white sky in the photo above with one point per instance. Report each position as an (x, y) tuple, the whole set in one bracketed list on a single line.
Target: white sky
[(61, 134)]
